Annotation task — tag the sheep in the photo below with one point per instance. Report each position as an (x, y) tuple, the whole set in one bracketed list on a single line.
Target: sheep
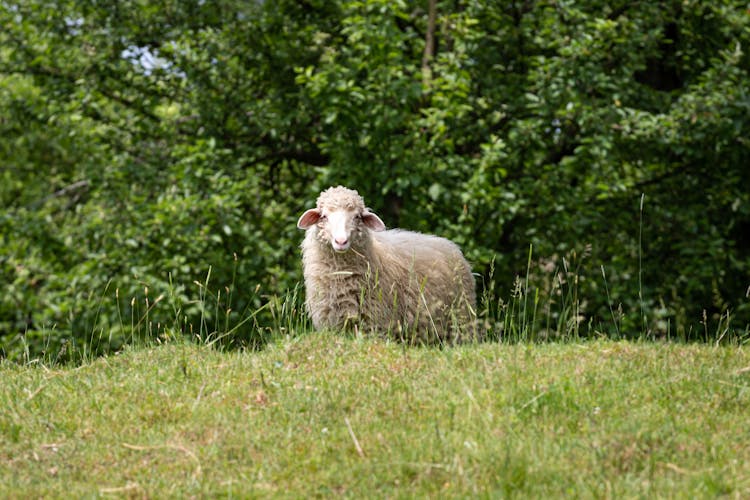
[(414, 287)]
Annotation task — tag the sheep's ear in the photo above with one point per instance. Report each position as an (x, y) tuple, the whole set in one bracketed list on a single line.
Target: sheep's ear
[(309, 218), (372, 221)]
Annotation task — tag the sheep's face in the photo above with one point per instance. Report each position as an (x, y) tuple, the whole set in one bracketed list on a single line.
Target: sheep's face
[(340, 219), (340, 228)]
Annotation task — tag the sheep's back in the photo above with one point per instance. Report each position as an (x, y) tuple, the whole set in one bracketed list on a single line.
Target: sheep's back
[(432, 261)]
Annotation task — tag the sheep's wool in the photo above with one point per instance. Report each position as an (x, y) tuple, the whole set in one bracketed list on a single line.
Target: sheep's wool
[(410, 286), (338, 198)]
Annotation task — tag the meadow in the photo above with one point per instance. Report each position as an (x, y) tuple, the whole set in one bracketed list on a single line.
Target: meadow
[(324, 414)]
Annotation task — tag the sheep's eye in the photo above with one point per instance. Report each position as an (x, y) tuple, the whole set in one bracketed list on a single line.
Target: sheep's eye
[(323, 218)]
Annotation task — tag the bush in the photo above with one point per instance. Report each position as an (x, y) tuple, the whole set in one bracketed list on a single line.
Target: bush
[(164, 151)]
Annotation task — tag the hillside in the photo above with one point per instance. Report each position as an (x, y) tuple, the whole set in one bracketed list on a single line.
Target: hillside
[(322, 415)]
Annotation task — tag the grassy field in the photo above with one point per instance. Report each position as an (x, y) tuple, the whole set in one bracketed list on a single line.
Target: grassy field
[(321, 415)]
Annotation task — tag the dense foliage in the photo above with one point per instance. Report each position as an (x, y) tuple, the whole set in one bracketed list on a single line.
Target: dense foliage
[(155, 156)]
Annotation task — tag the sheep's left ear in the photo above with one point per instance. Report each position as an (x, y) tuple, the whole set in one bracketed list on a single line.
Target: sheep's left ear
[(372, 221), (309, 218)]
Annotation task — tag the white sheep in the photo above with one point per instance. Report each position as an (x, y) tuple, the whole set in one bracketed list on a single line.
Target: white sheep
[(415, 287)]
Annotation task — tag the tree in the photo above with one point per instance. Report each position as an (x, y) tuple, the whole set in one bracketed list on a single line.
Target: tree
[(152, 146)]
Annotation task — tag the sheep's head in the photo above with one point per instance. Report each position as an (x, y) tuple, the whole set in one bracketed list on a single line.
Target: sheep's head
[(341, 218)]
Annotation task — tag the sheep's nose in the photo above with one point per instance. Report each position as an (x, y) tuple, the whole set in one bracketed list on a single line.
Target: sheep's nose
[(341, 241)]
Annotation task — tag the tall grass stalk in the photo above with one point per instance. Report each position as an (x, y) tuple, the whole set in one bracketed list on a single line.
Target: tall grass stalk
[(144, 319), (288, 315), (119, 313), (230, 291), (644, 319), (220, 336), (525, 333), (202, 293), (609, 302), (96, 322)]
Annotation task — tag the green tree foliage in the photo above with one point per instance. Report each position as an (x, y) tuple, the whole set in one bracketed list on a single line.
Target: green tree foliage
[(155, 156)]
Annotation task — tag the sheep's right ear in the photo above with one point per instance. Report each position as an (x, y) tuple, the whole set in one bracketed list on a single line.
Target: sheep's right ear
[(373, 221), (309, 218)]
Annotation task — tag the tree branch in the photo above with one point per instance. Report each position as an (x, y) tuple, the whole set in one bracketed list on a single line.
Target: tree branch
[(429, 43)]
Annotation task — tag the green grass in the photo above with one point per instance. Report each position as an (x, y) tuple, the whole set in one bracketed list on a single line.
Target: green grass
[(322, 415)]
